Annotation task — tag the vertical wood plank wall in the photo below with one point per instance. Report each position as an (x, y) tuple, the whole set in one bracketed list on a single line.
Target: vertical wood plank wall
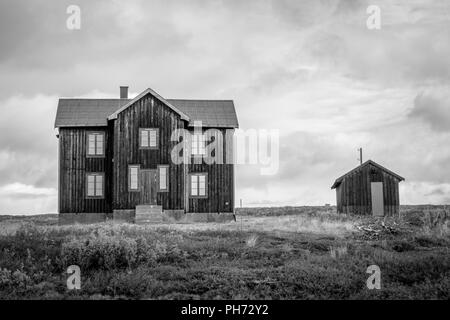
[(353, 194), (122, 149), (73, 168), (220, 181), (148, 112)]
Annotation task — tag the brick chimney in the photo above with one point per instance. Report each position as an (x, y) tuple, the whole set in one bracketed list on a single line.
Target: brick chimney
[(123, 92)]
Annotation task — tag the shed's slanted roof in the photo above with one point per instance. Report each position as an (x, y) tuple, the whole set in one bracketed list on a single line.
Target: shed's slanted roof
[(75, 112), (339, 180)]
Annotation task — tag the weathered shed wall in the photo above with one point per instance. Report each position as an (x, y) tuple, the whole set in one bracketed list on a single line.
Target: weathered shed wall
[(354, 194)]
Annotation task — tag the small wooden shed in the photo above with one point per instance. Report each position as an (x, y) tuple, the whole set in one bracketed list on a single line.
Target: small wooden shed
[(368, 189)]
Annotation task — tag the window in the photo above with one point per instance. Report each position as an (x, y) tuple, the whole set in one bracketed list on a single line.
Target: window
[(148, 138), (133, 177), (198, 144), (95, 185), (198, 185), (96, 144), (163, 178)]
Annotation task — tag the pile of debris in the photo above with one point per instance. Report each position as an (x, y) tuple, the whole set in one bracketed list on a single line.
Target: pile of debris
[(374, 230)]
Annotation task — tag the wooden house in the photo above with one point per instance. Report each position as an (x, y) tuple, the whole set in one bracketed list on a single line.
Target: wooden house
[(115, 157), (368, 189)]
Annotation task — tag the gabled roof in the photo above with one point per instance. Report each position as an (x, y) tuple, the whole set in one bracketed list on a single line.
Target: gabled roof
[(339, 180), (86, 112), (212, 113), (77, 112), (143, 94)]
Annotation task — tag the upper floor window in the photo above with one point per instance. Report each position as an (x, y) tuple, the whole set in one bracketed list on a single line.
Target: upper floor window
[(96, 144), (95, 185), (163, 178), (133, 177), (148, 138), (198, 185), (198, 144)]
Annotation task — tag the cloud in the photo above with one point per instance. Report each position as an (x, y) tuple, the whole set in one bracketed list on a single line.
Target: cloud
[(28, 144), (18, 198), (20, 190), (308, 68), (433, 107)]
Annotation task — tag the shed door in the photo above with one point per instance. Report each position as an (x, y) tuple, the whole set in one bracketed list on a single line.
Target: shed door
[(148, 186), (377, 198)]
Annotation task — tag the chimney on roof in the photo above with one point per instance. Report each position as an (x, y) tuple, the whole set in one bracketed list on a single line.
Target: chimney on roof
[(123, 92)]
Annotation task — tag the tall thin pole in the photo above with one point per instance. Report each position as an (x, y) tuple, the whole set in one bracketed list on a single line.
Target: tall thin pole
[(360, 155)]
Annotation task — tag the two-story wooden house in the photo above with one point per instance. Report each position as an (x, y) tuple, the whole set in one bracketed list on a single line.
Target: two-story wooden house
[(116, 157)]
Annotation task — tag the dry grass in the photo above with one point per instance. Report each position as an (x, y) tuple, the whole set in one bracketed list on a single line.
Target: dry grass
[(339, 251), (314, 254), (290, 223), (251, 241)]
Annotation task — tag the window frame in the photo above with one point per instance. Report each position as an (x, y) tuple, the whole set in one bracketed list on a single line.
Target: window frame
[(95, 174), (141, 130), (138, 188), (198, 196), (166, 166), (198, 144), (102, 133)]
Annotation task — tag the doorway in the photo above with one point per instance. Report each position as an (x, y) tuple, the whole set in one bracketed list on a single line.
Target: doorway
[(377, 198), (148, 186)]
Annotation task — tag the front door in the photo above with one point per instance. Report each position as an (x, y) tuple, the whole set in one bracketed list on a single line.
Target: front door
[(148, 186), (377, 198)]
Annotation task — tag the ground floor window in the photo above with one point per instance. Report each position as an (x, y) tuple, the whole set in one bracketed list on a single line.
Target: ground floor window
[(198, 185), (133, 177), (95, 185)]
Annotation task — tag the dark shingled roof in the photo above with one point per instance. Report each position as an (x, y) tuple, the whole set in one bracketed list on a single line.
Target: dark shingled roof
[(212, 113), (94, 112), (339, 180)]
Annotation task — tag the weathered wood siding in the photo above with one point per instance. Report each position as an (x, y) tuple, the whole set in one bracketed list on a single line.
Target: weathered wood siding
[(73, 166), (148, 112), (353, 194), (220, 183), (122, 149)]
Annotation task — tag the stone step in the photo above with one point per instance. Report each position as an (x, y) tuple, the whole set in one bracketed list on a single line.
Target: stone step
[(148, 214)]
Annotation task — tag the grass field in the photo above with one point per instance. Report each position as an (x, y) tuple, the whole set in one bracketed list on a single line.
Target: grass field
[(268, 253)]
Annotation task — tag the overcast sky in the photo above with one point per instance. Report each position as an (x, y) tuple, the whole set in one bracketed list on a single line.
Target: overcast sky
[(311, 69)]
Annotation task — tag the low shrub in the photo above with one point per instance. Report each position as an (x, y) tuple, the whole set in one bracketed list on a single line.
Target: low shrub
[(111, 249)]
